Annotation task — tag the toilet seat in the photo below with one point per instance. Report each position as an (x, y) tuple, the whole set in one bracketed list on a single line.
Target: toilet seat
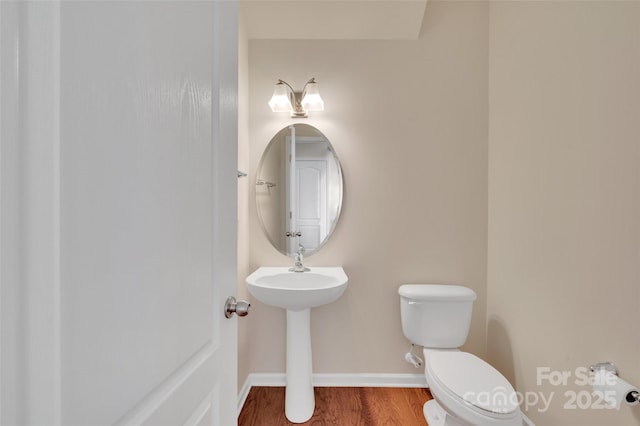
[(471, 388)]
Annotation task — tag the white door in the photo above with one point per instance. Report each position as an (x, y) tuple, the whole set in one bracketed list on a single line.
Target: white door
[(306, 196), (118, 212), (311, 199)]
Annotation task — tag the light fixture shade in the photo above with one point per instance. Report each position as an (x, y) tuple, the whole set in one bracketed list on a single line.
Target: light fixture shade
[(280, 101), (312, 100)]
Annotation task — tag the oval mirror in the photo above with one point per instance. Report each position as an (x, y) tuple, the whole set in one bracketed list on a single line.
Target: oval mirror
[(299, 189)]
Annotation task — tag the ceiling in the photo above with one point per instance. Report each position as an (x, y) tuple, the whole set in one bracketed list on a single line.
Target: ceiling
[(333, 19)]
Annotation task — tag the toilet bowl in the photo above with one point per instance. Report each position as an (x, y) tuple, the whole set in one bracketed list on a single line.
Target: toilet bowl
[(470, 389), (466, 390)]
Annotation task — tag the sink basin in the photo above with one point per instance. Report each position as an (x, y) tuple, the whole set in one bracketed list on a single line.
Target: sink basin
[(298, 292), (277, 286)]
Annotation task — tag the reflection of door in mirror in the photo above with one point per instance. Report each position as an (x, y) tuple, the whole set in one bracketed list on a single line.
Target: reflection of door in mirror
[(307, 193), (311, 178)]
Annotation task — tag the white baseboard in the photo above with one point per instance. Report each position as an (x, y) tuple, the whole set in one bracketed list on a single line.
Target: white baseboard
[(370, 380), (335, 380)]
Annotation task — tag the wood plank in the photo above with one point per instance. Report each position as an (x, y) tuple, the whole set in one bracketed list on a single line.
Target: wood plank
[(343, 406)]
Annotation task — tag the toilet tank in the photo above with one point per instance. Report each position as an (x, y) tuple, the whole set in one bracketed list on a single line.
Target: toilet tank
[(435, 315)]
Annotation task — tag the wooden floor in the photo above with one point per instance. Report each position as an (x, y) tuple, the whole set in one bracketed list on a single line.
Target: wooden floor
[(340, 406)]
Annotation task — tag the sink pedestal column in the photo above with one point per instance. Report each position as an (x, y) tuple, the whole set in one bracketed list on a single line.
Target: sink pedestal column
[(299, 399)]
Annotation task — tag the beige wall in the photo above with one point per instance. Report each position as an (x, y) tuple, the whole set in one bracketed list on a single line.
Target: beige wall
[(564, 197), (408, 120)]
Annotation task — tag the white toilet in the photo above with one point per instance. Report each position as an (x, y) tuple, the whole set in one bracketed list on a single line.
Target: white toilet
[(466, 390)]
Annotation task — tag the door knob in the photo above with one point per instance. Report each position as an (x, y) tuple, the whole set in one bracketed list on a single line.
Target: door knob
[(240, 307)]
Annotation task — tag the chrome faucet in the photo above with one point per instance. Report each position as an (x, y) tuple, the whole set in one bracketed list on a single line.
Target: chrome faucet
[(298, 266)]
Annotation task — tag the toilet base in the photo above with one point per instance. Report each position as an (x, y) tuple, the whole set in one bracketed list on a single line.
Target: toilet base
[(436, 416)]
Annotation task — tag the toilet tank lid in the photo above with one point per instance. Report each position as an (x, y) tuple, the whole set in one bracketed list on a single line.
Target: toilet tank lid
[(442, 292)]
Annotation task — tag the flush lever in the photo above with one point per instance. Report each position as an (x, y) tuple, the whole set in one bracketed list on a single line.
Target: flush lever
[(240, 307)]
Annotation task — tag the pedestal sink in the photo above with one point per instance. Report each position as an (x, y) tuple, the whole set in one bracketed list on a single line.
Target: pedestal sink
[(298, 292)]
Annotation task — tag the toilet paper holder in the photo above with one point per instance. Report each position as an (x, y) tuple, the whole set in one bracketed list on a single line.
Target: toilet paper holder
[(607, 366), (632, 397)]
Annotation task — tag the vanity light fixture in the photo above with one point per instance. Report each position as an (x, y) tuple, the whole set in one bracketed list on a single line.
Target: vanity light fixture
[(285, 99)]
